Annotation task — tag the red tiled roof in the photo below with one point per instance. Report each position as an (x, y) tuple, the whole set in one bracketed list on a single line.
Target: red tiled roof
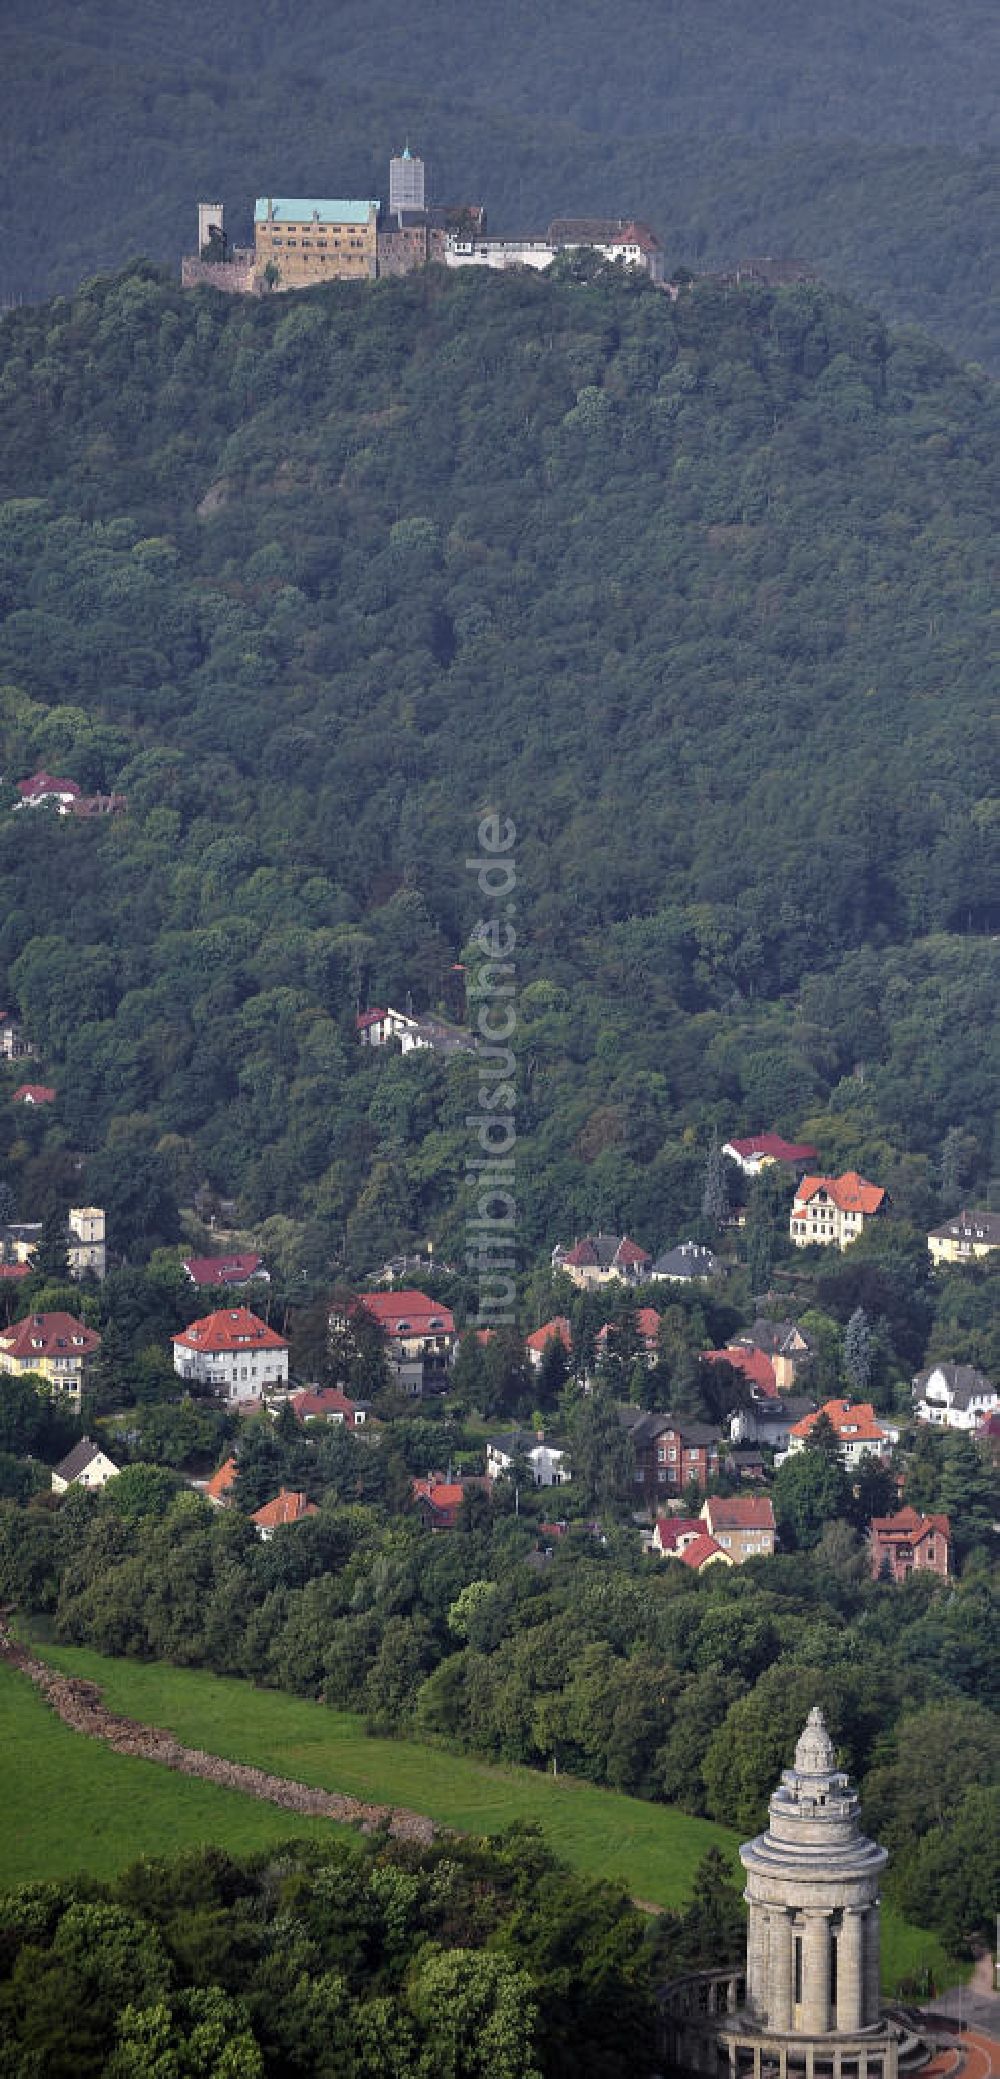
[(15, 1270), (852, 1421), (445, 1494), (366, 1018), (909, 1524), (49, 1335), (221, 1270), (321, 1400), (34, 1093), (671, 1529), (637, 234), (702, 1549), (738, 1512), (407, 1313), (772, 1146), (555, 1331), (850, 1193), (42, 783), (630, 1252), (752, 1363), (221, 1481), (288, 1506), (232, 1328)]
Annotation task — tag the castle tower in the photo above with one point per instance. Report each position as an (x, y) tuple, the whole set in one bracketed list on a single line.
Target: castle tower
[(210, 220), (406, 182), (812, 1890)]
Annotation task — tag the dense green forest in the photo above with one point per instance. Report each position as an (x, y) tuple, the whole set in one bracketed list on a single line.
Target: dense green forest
[(696, 594), (861, 140), (376, 1959)]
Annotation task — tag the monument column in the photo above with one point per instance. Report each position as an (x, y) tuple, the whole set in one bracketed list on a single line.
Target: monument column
[(778, 1997), (850, 1971), (815, 2010), (871, 1973)]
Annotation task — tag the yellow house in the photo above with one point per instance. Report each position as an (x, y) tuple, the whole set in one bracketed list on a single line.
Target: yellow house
[(299, 241), (55, 1346), (966, 1238)]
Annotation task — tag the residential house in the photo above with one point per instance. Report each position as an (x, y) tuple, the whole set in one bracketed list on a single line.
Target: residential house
[(753, 1366), (34, 1093), (438, 1035), (857, 1428), (420, 1334), (14, 1045), (909, 1543), (85, 1244), (685, 1264), (761, 1150), (966, 1238), (241, 1268), (289, 1506), (234, 1353), (549, 1463), (56, 1346), (769, 1422), (219, 1489), (85, 1466), (834, 1210), (743, 1524), (376, 1028), (44, 790), (600, 1258), (954, 1396), (647, 1322), (438, 1501), (787, 1347), (685, 1538), (670, 1453), (329, 1404), (301, 240), (541, 1339)]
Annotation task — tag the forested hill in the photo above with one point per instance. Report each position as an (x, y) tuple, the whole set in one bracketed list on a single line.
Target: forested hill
[(696, 593), (860, 138)]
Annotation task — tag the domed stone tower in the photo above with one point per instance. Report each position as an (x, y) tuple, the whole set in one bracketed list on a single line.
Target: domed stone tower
[(812, 1890)]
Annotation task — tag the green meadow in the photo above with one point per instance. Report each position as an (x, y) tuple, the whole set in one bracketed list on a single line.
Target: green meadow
[(76, 1804)]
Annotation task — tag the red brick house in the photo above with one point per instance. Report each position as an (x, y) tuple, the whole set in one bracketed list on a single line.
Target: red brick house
[(669, 1455), (909, 1543)]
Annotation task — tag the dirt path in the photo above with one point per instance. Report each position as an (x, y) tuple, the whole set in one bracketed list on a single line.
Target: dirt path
[(79, 1705)]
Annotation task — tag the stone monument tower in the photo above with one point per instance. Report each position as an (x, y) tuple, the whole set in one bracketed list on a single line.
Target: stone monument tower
[(808, 2004), (812, 1891)]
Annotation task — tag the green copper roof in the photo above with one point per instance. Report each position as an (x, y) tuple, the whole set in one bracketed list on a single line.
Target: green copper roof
[(297, 209)]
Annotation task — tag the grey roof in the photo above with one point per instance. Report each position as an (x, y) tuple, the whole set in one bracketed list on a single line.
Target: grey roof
[(517, 1443), (688, 1260), (77, 1460), (651, 1426), (775, 1339), (963, 1382), (969, 1227)]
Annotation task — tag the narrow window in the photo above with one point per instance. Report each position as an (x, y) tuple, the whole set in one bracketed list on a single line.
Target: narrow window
[(798, 1970)]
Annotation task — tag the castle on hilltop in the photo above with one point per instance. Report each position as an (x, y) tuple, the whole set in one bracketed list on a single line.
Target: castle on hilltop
[(302, 240)]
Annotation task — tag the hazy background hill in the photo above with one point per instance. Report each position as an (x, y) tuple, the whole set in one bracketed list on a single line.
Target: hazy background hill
[(698, 594), (862, 139)]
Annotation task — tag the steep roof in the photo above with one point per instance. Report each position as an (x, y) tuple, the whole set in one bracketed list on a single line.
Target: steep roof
[(751, 1363), (851, 1420), (43, 783), (963, 1383), (34, 1093), (555, 1331), (850, 1193), (289, 1506), (908, 1524), (230, 1329), (738, 1512), (222, 1481), (675, 1531), (701, 1550), (688, 1260), (775, 1339), (77, 1460), (970, 1227), (49, 1335)]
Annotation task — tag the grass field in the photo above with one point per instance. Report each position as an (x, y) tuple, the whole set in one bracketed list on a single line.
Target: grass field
[(653, 1849)]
